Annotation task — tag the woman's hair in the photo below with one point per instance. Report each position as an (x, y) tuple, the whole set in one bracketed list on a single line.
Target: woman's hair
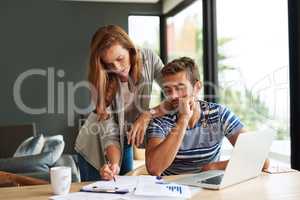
[(102, 80)]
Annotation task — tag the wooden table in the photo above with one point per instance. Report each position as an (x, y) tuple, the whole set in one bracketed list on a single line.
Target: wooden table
[(285, 186), (10, 179)]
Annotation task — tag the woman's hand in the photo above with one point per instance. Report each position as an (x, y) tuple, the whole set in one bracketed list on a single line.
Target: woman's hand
[(136, 133), (109, 171)]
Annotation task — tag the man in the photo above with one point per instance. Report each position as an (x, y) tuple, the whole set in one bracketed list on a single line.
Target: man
[(189, 139)]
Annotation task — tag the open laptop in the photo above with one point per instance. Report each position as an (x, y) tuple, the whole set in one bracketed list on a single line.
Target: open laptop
[(246, 162)]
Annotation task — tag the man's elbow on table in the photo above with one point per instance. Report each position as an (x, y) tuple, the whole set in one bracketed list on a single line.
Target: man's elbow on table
[(153, 168)]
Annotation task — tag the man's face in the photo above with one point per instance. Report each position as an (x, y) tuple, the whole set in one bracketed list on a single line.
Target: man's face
[(176, 86)]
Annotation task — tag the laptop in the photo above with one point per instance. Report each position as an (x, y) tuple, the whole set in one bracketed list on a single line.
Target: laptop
[(246, 162)]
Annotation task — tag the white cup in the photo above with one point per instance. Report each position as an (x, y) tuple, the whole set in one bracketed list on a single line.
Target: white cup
[(60, 180)]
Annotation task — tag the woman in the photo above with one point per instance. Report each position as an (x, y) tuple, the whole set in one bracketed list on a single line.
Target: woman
[(122, 78)]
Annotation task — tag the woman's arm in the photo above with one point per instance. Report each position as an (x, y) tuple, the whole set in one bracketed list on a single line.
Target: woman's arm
[(111, 144), (113, 154), (109, 170), (136, 134), (110, 138)]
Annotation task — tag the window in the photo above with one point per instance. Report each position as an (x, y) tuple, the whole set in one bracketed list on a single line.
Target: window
[(184, 34), (147, 37), (253, 66)]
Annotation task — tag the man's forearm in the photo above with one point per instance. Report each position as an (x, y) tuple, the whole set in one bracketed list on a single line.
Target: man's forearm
[(162, 156), (266, 164), (220, 165)]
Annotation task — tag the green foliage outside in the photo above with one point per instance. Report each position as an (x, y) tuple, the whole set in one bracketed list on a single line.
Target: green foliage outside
[(248, 106)]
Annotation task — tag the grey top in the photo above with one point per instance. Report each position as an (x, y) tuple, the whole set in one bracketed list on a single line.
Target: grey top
[(95, 136), (131, 110)]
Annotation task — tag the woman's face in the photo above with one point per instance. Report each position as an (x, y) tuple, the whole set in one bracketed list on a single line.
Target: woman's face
[(117, 60)]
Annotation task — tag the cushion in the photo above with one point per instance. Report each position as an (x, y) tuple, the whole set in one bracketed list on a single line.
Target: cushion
[(52, 149), (55, 146), (31, 146), (32, 163)]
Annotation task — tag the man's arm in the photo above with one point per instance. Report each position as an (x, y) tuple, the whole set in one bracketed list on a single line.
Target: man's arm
[(221, 165), (161, 153), (233, 140)]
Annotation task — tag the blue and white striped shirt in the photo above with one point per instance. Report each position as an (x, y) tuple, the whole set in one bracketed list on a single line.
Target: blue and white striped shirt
[(201, 144)]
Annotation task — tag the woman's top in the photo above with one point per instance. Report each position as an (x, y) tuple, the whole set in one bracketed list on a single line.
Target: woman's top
[(94, 136)]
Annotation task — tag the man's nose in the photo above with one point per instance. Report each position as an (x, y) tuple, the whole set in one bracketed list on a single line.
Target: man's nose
[(174, 95)]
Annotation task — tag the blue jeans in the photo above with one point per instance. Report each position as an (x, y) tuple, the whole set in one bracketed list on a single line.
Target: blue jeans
[(89, 173), (127, 162)]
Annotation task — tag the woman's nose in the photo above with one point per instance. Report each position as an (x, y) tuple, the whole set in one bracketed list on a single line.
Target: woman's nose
[(117, 66)]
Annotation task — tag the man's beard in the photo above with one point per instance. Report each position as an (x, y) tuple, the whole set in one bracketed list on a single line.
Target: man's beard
[(175, 104)]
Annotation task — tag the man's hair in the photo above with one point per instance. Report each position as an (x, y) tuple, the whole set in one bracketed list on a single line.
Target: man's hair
[(182, 64)]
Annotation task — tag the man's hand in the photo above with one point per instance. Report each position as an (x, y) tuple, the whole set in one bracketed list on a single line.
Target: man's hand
[(186, 106), (266, 165), (220, 165), (108, 171)]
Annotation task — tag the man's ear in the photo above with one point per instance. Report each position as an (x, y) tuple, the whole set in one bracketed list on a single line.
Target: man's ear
[(197, 87)]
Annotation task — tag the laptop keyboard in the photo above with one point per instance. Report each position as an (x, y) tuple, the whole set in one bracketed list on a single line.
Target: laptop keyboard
[(195, 179), (213, 180)]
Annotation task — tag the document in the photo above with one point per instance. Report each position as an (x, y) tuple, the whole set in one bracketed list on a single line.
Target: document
[(139, 188), (122, 183), (151, 186)]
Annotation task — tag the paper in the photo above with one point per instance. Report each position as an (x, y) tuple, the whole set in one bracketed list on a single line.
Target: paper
[(150, 186), (86, 196), (140, 187), (278, 169), (122, 182)]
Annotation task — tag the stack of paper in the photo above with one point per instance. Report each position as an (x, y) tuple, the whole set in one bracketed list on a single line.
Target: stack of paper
[(140, 187)]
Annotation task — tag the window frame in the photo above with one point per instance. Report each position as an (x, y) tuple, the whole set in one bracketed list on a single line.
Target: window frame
[(210, 65), (294, 68)]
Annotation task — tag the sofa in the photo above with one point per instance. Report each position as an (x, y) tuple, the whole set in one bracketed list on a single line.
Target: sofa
[(36, 155)]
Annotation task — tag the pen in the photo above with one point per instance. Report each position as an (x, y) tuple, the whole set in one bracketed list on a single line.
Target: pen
[(115, 191), (114, 178)]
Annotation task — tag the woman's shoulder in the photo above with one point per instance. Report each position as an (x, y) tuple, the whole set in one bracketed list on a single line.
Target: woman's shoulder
[(148, 54), (146, 51), (151, 63)]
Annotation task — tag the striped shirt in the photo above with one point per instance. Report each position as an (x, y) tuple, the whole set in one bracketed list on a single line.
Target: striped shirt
[(202, 143)]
